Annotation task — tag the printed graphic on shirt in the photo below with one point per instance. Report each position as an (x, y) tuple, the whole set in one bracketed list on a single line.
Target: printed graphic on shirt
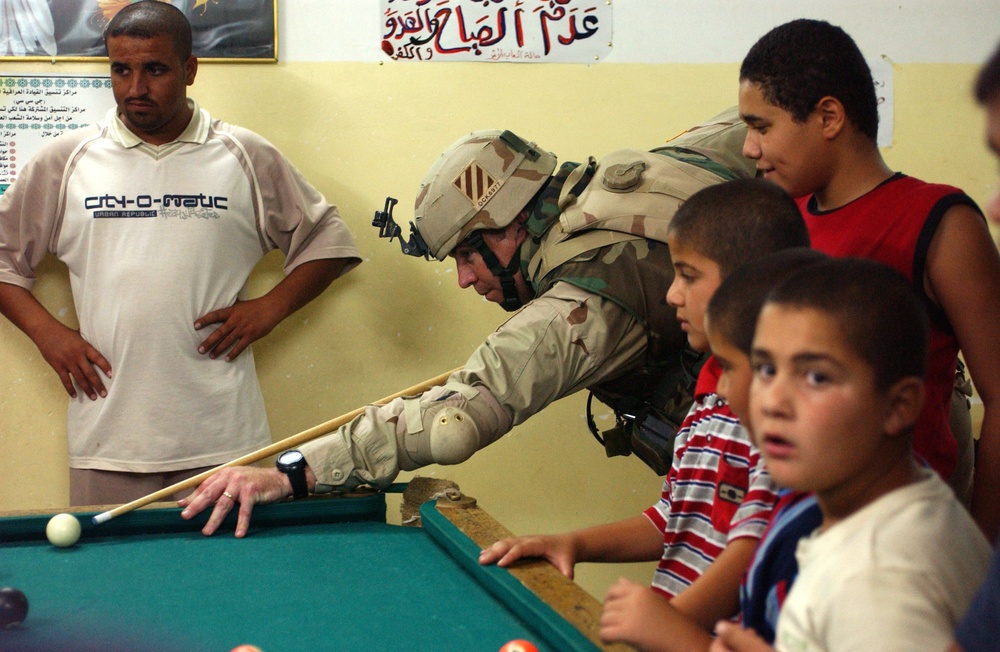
[(145, 206)]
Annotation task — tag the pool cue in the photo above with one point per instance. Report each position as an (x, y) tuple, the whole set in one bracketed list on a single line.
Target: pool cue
[(277, 447)]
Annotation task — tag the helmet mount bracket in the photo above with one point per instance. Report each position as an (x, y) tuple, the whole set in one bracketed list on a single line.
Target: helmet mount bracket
[(387, 228)]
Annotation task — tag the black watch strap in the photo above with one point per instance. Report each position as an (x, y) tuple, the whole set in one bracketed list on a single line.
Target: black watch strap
[(293, 465)]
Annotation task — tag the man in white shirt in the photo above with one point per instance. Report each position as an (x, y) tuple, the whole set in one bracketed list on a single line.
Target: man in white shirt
[(160, 213)]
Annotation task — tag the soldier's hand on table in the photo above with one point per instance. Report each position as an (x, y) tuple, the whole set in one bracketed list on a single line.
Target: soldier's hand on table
[(243, 486), (240, 325), (557, 549)]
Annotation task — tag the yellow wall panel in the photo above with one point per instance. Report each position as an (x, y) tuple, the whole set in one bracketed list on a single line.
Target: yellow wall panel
[(360, 131)]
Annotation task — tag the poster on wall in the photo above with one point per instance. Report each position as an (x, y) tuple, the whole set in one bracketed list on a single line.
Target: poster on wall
[(522, 31), (34, 109), (227, 30)]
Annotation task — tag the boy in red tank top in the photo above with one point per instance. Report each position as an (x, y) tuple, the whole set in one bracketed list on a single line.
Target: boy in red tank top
[(807, 95)]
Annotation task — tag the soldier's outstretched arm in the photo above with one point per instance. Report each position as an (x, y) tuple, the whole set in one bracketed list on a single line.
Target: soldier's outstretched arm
[(444, 425), (563, 341)]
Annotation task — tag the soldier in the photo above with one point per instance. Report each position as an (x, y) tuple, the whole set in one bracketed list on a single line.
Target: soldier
[(581, 251)]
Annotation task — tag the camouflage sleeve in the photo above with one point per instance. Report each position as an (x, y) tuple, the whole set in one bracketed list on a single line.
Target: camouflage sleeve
[(559, 343), (444, 425)]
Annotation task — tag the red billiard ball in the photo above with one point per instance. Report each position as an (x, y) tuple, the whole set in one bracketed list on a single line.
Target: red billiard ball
[(13, 607), (246, 648), (518, 645)]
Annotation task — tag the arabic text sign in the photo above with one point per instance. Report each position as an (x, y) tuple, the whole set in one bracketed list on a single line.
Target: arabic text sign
[(497, 30), (36, 108)]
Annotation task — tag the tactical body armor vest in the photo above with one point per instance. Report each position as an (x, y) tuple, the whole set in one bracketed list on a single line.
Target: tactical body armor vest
[(602, 226)]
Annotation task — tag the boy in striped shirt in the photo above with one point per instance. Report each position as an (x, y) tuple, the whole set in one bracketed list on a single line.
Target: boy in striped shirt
[(717, 497)]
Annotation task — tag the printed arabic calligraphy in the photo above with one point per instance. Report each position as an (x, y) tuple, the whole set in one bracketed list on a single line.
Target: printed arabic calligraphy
[(492, 30)]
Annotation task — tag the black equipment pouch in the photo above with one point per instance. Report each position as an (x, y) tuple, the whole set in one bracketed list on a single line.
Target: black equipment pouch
[(644, 429), (653, 441), (647, 434)]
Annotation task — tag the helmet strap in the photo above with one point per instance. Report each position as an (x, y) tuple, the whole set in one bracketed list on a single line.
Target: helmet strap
[(511, 300)]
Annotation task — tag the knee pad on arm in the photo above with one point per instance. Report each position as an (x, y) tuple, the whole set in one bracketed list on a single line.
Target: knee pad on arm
[(454, 436), (447, 427)]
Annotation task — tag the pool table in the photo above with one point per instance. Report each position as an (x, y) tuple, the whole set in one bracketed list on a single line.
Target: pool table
[(318, 574)]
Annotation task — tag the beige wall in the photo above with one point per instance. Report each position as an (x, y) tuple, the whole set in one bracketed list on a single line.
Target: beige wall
[(360, 131)]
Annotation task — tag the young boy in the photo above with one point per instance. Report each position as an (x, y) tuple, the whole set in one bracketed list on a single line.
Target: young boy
[(730, 321), (838, 358), (717, 497), (808, 98)]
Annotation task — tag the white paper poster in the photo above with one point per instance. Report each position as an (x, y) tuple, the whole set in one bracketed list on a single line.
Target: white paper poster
[(37, 108)]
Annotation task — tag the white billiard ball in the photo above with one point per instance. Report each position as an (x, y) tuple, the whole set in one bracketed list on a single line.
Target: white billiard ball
[(63, 530)]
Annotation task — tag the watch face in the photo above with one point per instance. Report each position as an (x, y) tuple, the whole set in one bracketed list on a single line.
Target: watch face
[(290, 457)]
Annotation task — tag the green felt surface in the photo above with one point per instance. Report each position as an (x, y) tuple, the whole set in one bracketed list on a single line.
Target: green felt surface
[(290, 585)]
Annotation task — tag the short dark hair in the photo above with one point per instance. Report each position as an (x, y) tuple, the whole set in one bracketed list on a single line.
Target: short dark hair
[(150, 18), (879, 313), (988, 82), (733, 310), (737, 221), (801, 62)]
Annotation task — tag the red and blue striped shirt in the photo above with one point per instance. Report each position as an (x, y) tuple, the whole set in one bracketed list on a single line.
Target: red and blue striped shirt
[(717, 490)]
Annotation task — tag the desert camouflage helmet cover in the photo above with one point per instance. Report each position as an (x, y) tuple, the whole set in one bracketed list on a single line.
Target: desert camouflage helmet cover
[(481, 182)]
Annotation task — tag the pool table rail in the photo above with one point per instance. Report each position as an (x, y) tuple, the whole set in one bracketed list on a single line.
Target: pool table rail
[(548, 589)]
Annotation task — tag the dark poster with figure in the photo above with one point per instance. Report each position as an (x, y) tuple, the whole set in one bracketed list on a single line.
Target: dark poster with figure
[(223, 29)]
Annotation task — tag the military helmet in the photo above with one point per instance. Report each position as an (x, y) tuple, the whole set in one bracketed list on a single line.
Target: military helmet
[(482, 181)]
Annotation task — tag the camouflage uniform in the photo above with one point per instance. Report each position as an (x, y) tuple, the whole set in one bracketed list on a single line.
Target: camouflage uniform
[(597, 260)]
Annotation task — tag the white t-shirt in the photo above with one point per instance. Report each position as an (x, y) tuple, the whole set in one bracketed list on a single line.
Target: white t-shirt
[(896, 575), (155, 237)]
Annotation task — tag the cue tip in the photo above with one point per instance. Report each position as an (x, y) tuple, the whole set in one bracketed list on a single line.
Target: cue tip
[(101, 518)]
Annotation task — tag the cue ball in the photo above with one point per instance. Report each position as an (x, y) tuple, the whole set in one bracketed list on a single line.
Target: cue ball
[(246, 648), (518, 645), (13, 607), (63, 530)]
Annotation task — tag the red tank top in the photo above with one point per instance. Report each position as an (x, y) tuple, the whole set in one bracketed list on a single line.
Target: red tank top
[(894, 224)]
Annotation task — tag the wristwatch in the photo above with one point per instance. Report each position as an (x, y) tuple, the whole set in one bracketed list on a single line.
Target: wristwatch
[(293, 464)]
